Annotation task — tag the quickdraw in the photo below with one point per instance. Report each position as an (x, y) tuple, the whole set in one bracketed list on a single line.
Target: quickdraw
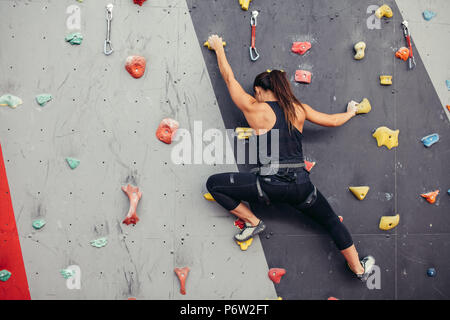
[(253, 52), (108, 46)]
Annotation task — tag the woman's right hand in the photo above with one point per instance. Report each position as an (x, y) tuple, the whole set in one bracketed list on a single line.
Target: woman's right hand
[(215, 42)]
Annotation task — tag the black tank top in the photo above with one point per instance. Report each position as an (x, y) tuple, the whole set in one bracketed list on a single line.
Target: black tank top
[(290, 143)]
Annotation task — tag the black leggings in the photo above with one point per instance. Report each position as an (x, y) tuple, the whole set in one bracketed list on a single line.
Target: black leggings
[(229, 189)]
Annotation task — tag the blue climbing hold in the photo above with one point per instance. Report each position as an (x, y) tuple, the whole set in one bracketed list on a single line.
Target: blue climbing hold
[(431, 272), (429, 140), (448, 192), (447, 82), (428, 15)]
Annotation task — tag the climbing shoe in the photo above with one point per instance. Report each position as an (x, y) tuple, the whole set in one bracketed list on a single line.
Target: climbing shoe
[(367, 263), (249, 231)]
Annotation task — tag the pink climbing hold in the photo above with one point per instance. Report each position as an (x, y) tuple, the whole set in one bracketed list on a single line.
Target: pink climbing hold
[(301, 47), (139, 2), (275, 274), (135, 66), (134, 195), (309, 165), (332, 298), (303, 76)]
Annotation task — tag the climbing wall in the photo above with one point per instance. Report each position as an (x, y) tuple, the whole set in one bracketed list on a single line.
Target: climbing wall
[(348, 155), (107, 119)]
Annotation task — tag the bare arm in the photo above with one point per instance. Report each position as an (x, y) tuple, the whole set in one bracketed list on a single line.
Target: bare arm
[(329, 120), (242, 99)]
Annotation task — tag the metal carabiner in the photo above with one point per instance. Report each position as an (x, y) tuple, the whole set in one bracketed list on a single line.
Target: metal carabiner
[(108, 49), (254, 55)]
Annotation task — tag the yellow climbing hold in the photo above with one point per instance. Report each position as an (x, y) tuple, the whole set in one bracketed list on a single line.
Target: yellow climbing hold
[(245, 4), (279, 298), (359, 48), (359, 192), (245, 244), (386, 80), (364, 106), (386, 137), (208, 197), (384, 11), (389, 222), (243, 133), (206, 44)]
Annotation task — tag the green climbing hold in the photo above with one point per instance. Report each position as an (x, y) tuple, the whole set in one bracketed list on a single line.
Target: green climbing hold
[(10, 100), (4, 275), (98, 243), (43, 98), (66, 273), (38, 223), (74, 38), (73, 163)]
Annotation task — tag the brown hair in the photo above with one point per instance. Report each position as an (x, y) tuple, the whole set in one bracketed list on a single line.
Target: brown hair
[(277, 82)]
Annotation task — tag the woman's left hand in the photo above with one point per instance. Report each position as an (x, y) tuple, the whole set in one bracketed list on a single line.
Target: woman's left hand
[(352, 107), (215, 42)]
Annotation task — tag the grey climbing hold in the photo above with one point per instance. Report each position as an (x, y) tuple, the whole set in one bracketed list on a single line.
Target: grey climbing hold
[(4, 275), (66, 273), (38, 223), (100, 242), (74, 38), (43, 98), (428, 15), (73, 163), (10, 100)]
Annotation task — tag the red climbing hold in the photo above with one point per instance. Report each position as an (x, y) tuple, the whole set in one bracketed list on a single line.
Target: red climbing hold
[(303, 76), (182, 274), (301, 47), (166, 130), (134, 195), (139, 2), (135, 65), (309, 165), (275, 274), (239, 223), (431, 196)]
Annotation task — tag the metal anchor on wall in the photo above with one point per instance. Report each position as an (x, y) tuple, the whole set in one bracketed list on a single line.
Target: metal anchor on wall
[(108, 46)]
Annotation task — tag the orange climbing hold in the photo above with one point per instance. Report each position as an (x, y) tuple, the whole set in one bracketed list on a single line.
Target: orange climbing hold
[(448, 107), (135, 66), (166, 130), (309, 165), (182, 274), (303, 76), (402, 53), (301, 47), (431, 196), (275, 274), (134, 195), (332, 298)]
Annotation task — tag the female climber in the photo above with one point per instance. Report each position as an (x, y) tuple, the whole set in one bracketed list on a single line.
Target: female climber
[(280, 178)]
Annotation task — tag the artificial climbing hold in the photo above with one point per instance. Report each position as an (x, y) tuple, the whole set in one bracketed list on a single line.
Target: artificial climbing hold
[(139, 2), (428, 15), (431, 272), (38, 223), (208, 197), (206, 44), (134, 195), (239, 223), (245, 244), (429, 140), (4, 275), (303, 76), (402, 53), (301, 47), (448, 192), (244, 4), (447, 82), (100, 242), (10, 101), (73, 163), (384, 11), (448, 107), (389, 222), (74, 38), (341, 219), (275, 274), (332, 298), (43, 98), (166, 130), (359, 192), (243, 133), (385, 80), (182, 274), (359, 49), (386, 137), (66, 273), (431, 196), (135, 66), (364, 106), (309, 165)]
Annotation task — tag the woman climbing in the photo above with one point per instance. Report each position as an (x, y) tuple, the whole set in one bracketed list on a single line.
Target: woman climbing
[(280, 178)]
